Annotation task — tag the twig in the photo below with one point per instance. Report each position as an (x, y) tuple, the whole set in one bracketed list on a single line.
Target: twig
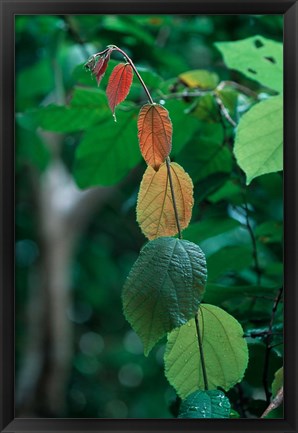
[(128, 59), (74, 33), (223, 110), (276, 402), (253, 241), (242, 89), (269, 347)]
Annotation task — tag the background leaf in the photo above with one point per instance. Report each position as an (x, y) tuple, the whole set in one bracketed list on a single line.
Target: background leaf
[(228, 259), (219, 293), (278, 381), (225, 352), (155, 210), (164, 288), (206, 153), (87, 108), (208, 228), (199, 78), (107, 152), (258, 58), (184, 125), (205, 404), (259, 139), (155, 134)]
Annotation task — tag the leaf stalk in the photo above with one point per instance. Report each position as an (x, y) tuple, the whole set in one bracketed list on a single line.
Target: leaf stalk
[(200, 343)]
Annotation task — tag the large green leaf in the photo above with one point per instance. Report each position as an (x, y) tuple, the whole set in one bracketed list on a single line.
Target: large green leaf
[(184, 125), (107, 152), (164, 288), (206, 153), (30, 149), (231, 191), (128, 25), (225, 352), (87, 108), (41, 74), (219, 293), (258, 58), (205, 404), (269, 231), (229, 259), (259, 139), (201, 230), (257, 353)]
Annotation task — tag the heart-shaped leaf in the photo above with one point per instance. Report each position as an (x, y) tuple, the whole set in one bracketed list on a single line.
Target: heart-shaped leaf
[(164, 288), (225, 352), (155, 134), (155, 210), (259, 139), (107, 152)]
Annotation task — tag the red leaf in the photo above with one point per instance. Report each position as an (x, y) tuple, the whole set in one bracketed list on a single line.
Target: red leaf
[(101, 66), (119, 84), (155, 134)]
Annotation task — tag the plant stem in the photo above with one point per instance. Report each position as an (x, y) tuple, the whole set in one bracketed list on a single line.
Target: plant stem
[(173, 197), (114, 47), (242, 89), (253, 241), (135, 70), (269, 347), (201, 353)]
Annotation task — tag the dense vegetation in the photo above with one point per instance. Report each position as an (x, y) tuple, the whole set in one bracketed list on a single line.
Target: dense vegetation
[(78, 174)]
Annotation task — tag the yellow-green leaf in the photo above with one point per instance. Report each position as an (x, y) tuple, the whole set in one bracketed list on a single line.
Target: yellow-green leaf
[(259, 139), (225, 352), (199, 78)]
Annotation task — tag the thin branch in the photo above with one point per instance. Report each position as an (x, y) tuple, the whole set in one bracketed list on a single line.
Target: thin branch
[(223, 110), (253, 241), (242, 89), (240, 403), (261, 334), (184, 94), (74, 33), (128, 59), (276, 402), (269, 347)]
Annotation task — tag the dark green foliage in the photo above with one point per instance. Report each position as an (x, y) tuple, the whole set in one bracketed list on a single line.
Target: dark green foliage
[(205, 404), (164, 288), (63, 120)]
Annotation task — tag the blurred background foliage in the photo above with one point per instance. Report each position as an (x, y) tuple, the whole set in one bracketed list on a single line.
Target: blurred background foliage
[(75, 354)]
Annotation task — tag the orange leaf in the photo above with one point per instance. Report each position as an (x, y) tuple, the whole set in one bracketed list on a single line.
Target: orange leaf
[(155, 211), (119, 84), (155, 134)]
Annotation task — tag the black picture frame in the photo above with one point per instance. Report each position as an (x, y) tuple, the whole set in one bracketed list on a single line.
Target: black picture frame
[(8, 10)]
